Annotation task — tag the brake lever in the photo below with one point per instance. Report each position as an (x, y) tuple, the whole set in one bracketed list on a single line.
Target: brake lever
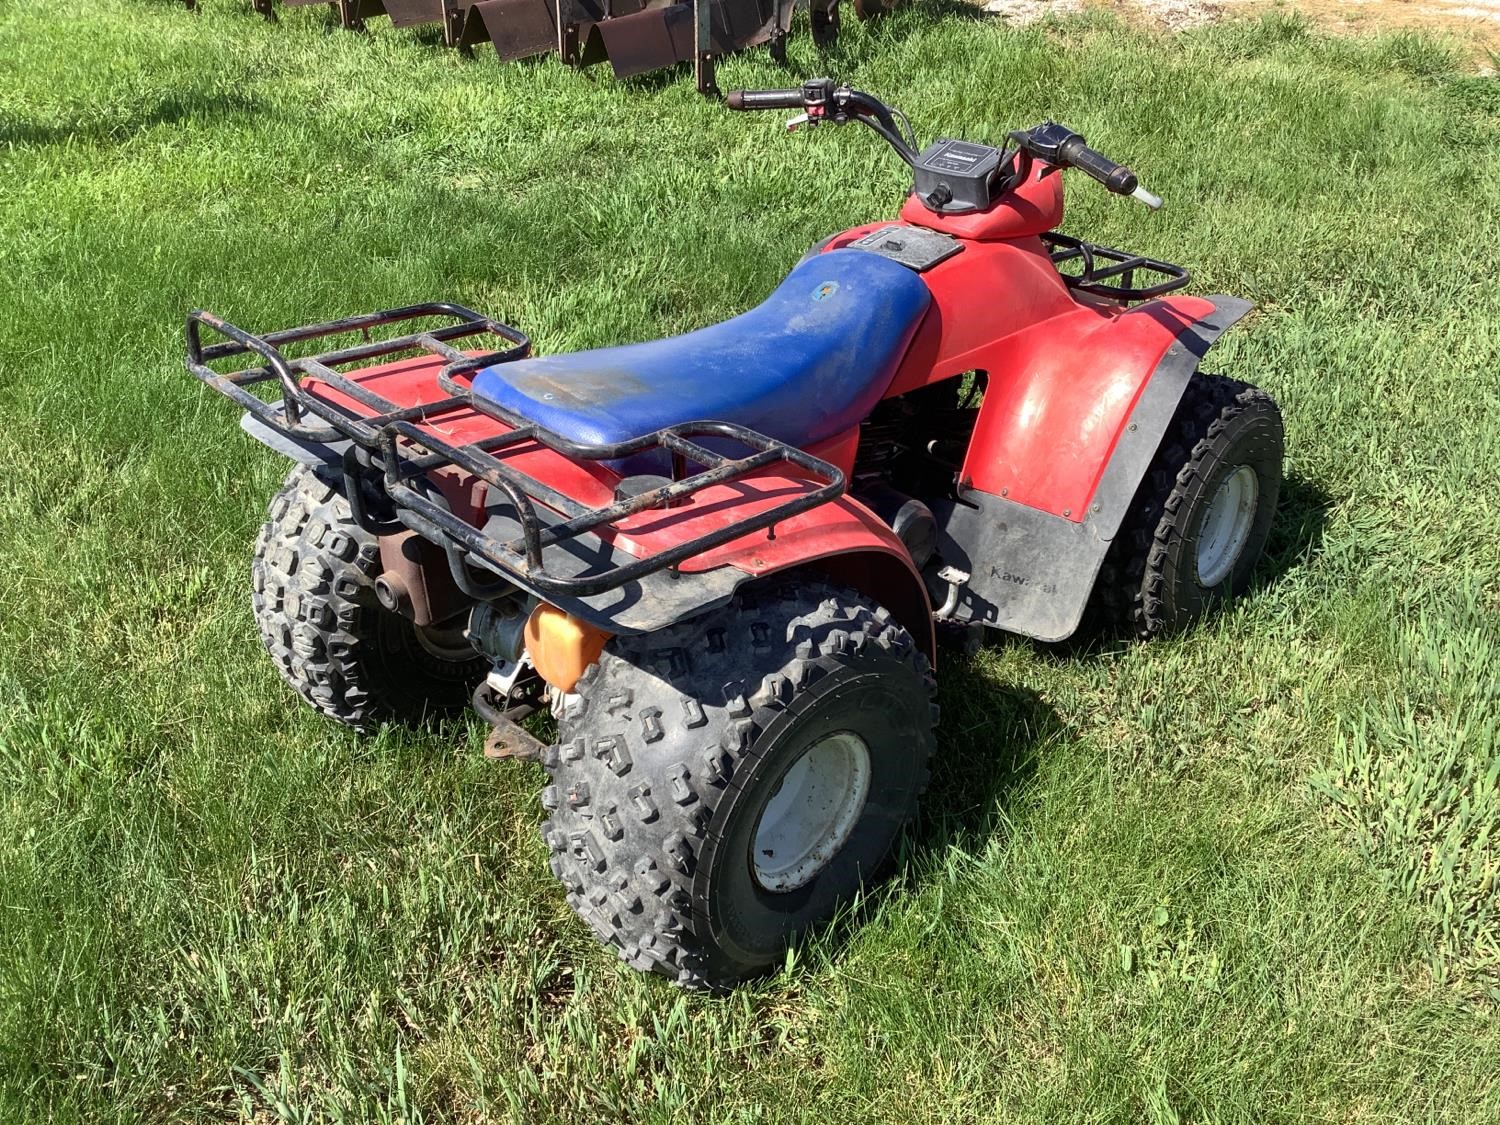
[(795, 123)]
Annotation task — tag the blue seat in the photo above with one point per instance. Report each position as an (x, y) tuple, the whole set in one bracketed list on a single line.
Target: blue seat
[(807, 364)]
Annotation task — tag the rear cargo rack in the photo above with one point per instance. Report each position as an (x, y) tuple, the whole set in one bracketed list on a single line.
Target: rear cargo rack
[(1100, 265), (391, 452)]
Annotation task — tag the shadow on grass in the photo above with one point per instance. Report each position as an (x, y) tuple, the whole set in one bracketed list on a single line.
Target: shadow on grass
[(987, 748), (173, 108), (992, 737), (1297, 532), (989, 744)]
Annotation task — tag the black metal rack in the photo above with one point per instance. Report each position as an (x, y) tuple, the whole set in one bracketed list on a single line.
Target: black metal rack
[(1097, 278), (390, 446)]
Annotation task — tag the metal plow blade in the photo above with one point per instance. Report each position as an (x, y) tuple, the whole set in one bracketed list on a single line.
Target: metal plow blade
[(633, 36), (647, 39), (352, 13)]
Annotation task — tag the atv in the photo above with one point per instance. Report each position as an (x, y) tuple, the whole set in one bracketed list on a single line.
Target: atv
[(723, 559)]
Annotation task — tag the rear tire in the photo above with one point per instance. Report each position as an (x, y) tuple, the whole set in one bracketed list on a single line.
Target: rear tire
[(313, 594), (1200, 519), (730, 782)]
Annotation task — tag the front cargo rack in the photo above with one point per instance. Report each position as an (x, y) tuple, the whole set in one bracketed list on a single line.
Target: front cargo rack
[(1106, 272), (389, 449)]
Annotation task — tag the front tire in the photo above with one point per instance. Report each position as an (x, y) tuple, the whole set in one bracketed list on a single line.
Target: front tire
[(726, 784), (1201, 517), (350, 658)]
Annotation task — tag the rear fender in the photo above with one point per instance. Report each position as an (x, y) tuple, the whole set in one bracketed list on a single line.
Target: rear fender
[(847, 544), (309, 453), (842, 542), (1066, 433)]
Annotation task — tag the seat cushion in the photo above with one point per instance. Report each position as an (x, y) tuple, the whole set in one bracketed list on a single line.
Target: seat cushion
[(808, 363)]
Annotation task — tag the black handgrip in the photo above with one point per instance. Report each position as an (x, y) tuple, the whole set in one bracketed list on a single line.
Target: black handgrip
[(1116, 177), (764, 99)]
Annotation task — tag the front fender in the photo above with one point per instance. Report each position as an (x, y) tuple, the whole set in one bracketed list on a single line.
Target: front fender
[(1057, 407), (1061, 443)]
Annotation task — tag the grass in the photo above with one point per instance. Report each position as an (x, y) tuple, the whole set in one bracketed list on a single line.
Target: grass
[(1243, 875)]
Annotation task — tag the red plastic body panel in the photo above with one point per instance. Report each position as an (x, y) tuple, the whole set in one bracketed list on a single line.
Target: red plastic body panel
[(1064, 371), (1054, 411), (981, 297)]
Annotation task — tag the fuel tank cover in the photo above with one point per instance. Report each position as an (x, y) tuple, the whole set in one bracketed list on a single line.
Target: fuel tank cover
[(914, 247)]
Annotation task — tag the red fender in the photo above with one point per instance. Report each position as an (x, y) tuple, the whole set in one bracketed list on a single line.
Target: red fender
[(842, 541), (1063, 440), (1064, 371), (849, 545), (1058, 398)]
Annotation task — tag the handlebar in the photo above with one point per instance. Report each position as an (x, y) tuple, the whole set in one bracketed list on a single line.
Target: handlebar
[(1060, 146), (764, 99), (822, 100), (1091, 162)]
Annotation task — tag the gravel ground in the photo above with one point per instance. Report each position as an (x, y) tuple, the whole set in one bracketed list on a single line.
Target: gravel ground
[(1476, 22)]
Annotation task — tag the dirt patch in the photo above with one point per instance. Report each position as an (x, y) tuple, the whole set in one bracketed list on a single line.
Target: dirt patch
[(1475, 23), (1174, 15)]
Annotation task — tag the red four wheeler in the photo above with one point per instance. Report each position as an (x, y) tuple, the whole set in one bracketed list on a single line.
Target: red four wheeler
[(720, 558)]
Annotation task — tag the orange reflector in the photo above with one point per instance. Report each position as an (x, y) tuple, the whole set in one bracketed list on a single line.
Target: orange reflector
[(561, 646)]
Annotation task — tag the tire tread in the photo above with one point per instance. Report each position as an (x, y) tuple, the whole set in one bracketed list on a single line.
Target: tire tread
[(1130, 590), (313, 598), (635, 889)]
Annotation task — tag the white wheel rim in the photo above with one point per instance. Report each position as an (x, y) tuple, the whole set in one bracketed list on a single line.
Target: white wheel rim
[(1226, 526), (811, 813)]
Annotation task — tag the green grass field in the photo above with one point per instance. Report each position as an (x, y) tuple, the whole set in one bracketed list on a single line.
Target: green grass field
[(1244, 875)]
